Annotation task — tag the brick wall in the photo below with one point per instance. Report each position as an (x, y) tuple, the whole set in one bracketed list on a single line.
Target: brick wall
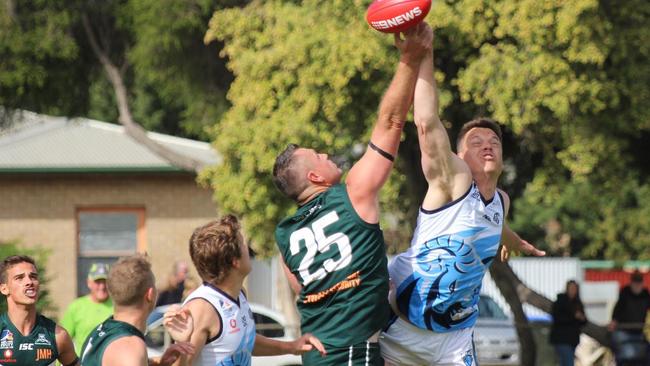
[(40, 210)]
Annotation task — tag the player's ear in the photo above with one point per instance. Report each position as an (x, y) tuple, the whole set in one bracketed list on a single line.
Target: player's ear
[(4, 289), (314, 177), (236, 263), (151, 294)]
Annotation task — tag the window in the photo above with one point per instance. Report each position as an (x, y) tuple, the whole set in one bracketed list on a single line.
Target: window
[(104, 235)]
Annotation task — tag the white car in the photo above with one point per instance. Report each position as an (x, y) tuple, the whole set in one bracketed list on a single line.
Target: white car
[(495, 336), (268, 322)]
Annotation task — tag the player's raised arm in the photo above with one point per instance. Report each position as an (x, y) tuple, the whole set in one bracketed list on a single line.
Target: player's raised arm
[(370, 173), (447, 175)]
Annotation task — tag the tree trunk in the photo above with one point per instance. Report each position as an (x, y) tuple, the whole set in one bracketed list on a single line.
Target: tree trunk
[(509, 289), (502, 273), (132, 128)]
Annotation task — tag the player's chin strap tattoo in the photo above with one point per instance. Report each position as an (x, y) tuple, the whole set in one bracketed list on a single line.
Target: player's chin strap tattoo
[(381, 152), (73, 363)]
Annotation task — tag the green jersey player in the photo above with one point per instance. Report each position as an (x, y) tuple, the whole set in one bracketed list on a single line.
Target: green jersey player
[(332, 247), (26, 337), (119, 341)]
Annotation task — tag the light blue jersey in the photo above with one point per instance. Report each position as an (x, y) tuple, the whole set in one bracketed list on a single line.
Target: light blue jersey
[(438, 279), (233, 346)]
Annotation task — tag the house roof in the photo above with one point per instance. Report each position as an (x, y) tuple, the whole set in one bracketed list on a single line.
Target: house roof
[(44, 144)]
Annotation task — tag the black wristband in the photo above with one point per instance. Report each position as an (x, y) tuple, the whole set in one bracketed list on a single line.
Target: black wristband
[(73, 363), (381, 152)]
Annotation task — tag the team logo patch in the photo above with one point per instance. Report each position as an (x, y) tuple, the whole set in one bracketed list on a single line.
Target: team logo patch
[(468, 358), (6, 339), (496, 218), (8, 354), (42, 341)]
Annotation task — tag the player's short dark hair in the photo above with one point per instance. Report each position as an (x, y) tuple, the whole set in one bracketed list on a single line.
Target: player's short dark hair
[(636, 277), (11, 261), (214, 246), (285, 175), (481, 122), (129, 279)]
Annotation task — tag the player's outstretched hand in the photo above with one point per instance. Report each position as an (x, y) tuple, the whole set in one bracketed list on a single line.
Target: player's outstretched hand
[(174, 351), (179, 323), (524, 247), (529, 249), (307, 343), (417, 42)]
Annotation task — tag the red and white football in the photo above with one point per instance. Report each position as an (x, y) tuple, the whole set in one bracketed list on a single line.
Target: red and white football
[(392, 16)]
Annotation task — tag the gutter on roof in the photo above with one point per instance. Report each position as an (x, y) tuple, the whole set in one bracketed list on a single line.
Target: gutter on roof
[(153, 169)]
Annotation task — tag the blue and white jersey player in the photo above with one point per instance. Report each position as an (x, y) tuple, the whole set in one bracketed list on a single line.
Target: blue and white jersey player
[(215, 318), (435, 284)]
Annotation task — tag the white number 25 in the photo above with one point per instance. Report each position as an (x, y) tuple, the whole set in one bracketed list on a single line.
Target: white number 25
[(316, 242)]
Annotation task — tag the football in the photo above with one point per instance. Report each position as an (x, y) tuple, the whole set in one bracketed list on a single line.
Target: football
[(392, 16)]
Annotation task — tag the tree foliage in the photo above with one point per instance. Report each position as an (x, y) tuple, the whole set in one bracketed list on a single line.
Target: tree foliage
[(569, 80), (176, 83)]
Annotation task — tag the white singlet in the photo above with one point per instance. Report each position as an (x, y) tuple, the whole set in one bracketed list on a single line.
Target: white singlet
[(233, 346)]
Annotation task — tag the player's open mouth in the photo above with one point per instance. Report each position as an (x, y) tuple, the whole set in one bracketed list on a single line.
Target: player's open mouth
[(30, 292)]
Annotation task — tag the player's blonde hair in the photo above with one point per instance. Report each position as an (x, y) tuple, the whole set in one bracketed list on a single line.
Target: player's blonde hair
[(129, 280)]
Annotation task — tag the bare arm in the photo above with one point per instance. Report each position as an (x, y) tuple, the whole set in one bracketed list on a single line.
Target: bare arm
[(67, 355), (293, 281), (370, 173), (510, 240), (195, 322), (271, 347), (448, 176), (126, 351)]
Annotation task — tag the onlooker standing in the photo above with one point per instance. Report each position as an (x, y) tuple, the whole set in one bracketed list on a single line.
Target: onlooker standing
[(632, 305), (628, 321), (173, 293), (86, 312), (568, 317)]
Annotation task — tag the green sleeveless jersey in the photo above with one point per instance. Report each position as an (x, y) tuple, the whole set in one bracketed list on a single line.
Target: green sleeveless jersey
[(105, 333), (340, 260), (38, 348)]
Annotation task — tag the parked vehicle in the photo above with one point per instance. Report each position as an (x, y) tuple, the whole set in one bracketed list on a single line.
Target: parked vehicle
[(268, 322), (495, 336)]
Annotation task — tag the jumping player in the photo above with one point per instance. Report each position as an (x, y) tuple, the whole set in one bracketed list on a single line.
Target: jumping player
[(216, 317), (26, 337), (332, 247), (460, 225), (119, 341)]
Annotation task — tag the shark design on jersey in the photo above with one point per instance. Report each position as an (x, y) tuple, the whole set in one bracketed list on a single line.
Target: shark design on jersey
[(442, 287)]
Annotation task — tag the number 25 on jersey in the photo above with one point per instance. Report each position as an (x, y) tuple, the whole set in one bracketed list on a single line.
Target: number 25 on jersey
[(316, 241)]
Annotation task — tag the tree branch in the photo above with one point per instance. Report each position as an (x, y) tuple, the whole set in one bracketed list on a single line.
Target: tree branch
[(132, 128), (504, 273)]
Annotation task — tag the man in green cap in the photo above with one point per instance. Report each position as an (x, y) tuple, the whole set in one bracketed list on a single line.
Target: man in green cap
[(86, 312)]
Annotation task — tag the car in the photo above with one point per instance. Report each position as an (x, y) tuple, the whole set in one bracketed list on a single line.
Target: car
[(495, 335), (268, 323)]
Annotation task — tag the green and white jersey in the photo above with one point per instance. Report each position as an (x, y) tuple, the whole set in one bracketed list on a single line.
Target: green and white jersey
[(38, 348), (99, 339), (340, 260)]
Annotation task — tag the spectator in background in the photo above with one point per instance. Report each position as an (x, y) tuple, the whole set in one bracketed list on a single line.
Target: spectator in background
[(568, 317), (173, 292), (632, 306), (84, 313), (628, 320)]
